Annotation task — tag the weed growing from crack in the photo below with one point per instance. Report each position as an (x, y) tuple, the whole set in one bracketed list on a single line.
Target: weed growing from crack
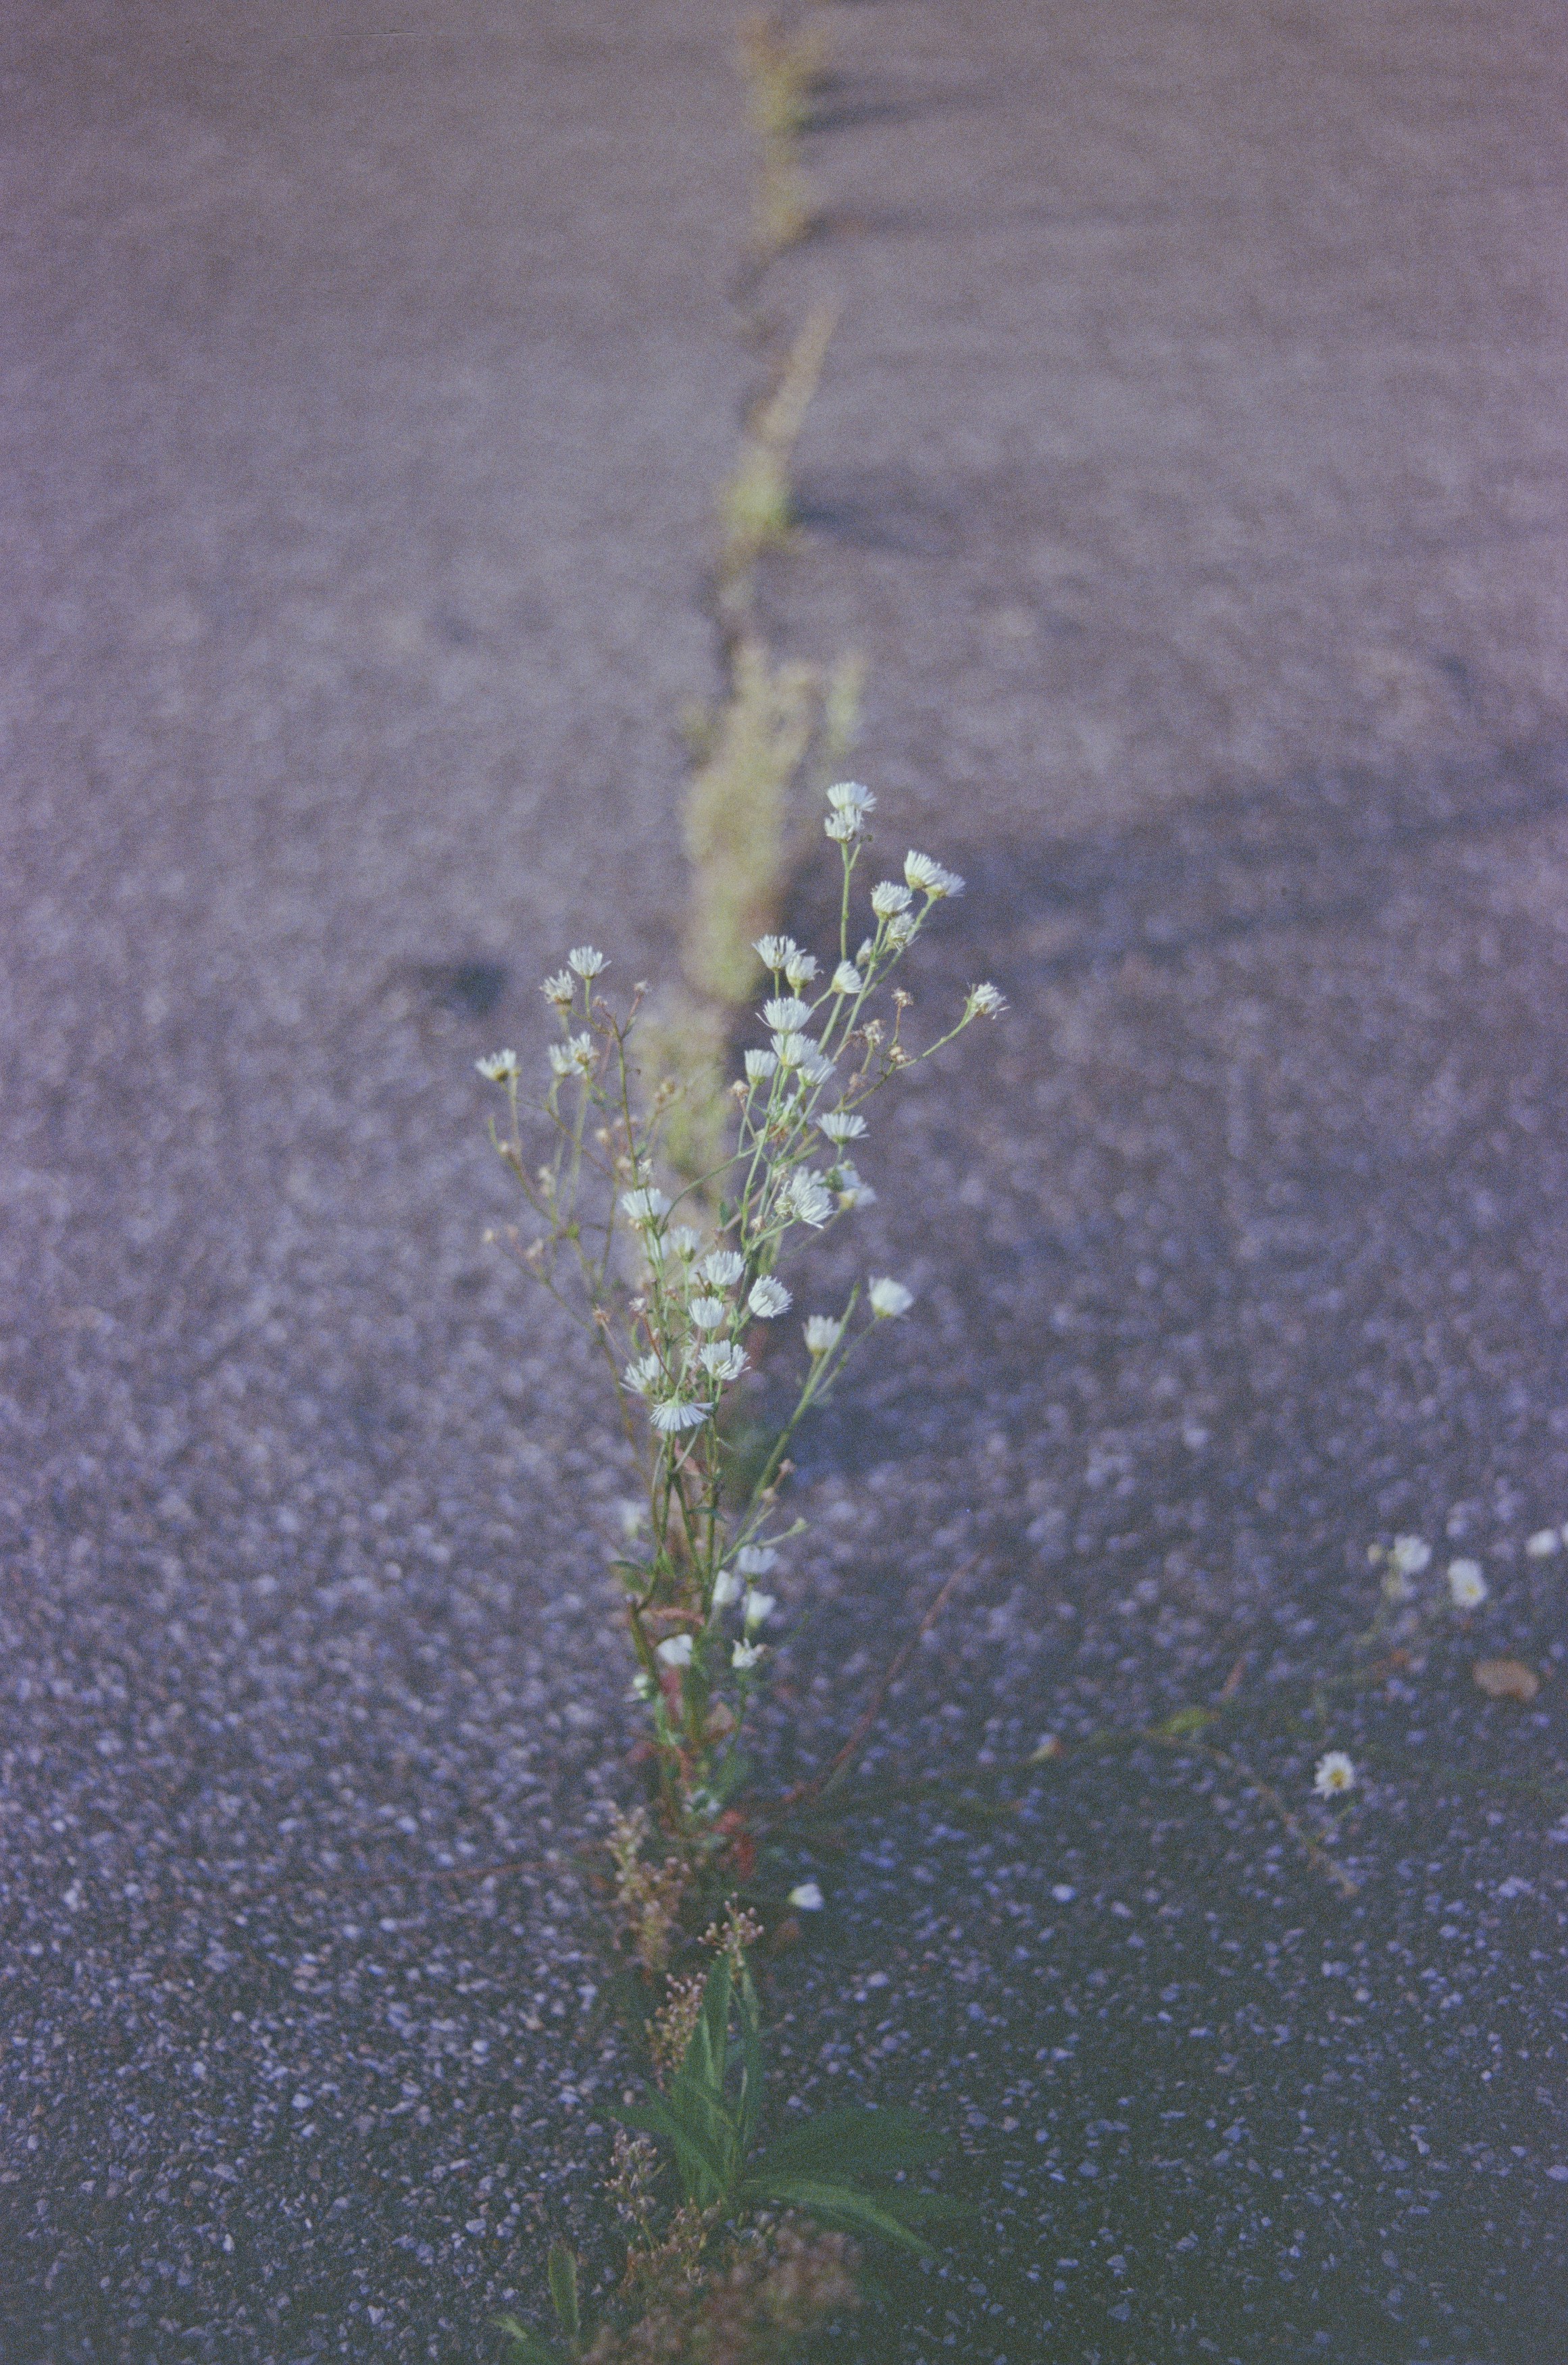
[(781, 71), (756, 508)]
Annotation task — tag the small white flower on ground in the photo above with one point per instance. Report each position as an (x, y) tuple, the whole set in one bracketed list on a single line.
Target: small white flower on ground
[(851, 796), (800, 970), (723, 1363), (747, 1654), (759, 1608), (769, 1298), (846, 979), (1467, 1586), (760, 1065), (785, 1014), (500, 1068), (773, 951), (670, 1418), (1410, 1555), (1541, 1545), (574, 1053), (707, 1313), (1334, 1774), (930, 877), (821, 1334), (890, 1298), (842, 1125), (722, 1267), (807, 1898), (684, 1241), (586, 961), (984, 1002), (677, 1651), (643, 1208), (807, 1198), (560, 989), (726, 1588), (887, 897), (644, 1374), (755, 1560)]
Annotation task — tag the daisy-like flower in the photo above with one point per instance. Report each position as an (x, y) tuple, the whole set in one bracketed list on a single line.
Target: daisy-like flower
[(791, 1050), (676, 1651), (643, 1208), (901, 928), (821, 1334), (644, 1374), (1467, 1586), (760, 1065), (755, 1560), (759, 1608), (769, 1298), (684, 1241), (1333, 1775), (722, 1267), (846, 979), (887, 897), (586, 961), (670, 1418), (851, 796), (574, 1056), (842, 827), (1541, 1546), (707, 1313), (888, 1299), (930, 878), (726, 1588), (747, 1654), (643, 1686), (1410, 1555), (842, 1125), (500, 1068), (773, 951), (807, 1898), (984, 1002), (845, 1183), (784, 1015), (800, 970), (560, 989), (723, 1363), (807, 1198)]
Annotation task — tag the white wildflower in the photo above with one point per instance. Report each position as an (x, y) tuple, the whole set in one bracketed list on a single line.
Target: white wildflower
[(722, 1267), (821, 1334), (643, 1208), (1543, 1543), (574, 1056), (500, 1068), (760, 1065), (784, 1015), (842, 1125), (800, 970), (670, 1418), (726, 1588), (586, 961), (807, 1898), (851, 796), (984, 1002), (723, 1363), (890, 1298), (1334, 1774), (887, 897), (747, 1654), (773, 951), (643, 1686), (677, 1651), (846, 979), (901, 928), (791, 1049), (644, 1374), (1410, 1555), (851, 1191), (807, 1198), (930, 877), (769, 1297), (842, 827), (707, 1313), (684, 1241), (1467, 1586), (755, 1560), (560, 989), (759, 1608)]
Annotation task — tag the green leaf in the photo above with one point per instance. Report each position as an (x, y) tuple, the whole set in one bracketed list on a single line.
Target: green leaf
[(854, 2142), (840, 2205), (703, 2172), (562, 2273), (1185, 1721)]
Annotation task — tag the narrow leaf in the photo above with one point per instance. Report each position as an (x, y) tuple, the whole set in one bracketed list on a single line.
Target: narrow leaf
[(839, 2205), (563, 2271)]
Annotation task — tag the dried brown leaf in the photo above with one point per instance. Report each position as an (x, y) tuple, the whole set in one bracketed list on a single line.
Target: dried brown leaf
[(1507, 1679)]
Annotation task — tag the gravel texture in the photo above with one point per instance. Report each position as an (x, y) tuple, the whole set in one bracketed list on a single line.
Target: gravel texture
[(1188, 467)]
